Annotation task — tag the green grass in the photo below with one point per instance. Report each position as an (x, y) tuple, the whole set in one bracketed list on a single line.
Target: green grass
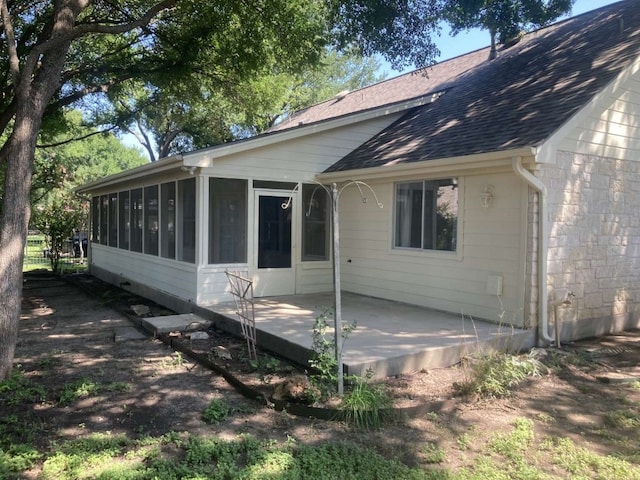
[(365, 405), (115, 457)]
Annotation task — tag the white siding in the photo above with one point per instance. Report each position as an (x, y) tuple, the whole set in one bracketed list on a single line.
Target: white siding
[(314, 277), (175, 278), (491, 242), (296, 160), (613, 128), (213, 285)]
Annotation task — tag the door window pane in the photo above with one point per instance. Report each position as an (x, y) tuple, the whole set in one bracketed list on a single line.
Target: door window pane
[(274, 232)]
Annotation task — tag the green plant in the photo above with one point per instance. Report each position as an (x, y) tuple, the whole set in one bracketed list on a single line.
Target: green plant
[(495, 374), (463, 442), (87, 388), (265, 366), (216, 411), (324, 359), (365, 406), (623, 419), (432, 453), (19, 389)]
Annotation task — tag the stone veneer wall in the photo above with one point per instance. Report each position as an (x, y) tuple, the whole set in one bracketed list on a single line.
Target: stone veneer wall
[(594, 243)]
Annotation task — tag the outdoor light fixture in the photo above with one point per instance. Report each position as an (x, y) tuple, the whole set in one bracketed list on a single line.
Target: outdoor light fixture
[(191, 170), (486, 197)]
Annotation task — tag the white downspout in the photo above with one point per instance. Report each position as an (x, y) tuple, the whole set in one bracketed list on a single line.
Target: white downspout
[(543, 243)]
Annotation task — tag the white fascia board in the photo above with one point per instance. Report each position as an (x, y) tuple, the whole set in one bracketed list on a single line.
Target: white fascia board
[(204, 158), (546, 152), (443, 166), (162, 165)]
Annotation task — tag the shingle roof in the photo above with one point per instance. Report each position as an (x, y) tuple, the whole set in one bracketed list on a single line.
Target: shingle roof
[(517, 100)]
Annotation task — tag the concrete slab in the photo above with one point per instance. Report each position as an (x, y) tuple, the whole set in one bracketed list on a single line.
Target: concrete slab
[(174, 323), (125, 334), (390, 337)]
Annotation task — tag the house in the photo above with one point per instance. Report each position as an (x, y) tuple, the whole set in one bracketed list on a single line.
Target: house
[(510, 191)]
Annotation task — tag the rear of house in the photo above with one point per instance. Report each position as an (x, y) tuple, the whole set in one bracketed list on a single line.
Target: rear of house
[(507, 188)]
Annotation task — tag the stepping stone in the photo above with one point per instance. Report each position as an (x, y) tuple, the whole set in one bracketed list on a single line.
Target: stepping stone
[(125, 334)]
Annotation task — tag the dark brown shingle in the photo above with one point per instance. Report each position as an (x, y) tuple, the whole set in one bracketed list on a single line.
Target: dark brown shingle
[(517, 100)]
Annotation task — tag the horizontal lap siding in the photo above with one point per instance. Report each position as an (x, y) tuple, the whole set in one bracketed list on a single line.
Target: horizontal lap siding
[(492, 243), (611, 131), (213, 284), (299, 159), (312, 278), (175, 278)]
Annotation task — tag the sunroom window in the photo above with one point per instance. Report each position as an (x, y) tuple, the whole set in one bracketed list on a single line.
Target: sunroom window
[(426, 215), (315, 224), (227, 220), (136, 220), (187, 220)]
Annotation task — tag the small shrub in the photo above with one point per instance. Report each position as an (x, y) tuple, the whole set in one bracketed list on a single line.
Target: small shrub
[(216, 411), (495, 374), (323, 360), (432, 453), (364, 406)]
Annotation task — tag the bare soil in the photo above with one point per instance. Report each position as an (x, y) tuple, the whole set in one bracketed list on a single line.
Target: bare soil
[(68, 337)]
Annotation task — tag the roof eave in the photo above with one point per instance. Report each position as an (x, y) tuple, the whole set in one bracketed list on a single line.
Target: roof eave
[(440, 166), (162, 165)]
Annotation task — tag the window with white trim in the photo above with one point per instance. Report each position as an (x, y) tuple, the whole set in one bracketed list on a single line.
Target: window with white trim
[(426, 215)]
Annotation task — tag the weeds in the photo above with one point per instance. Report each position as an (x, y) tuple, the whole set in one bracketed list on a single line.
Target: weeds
[(495, 374), (217, 411), (266, 367), (432, 453), (623, 419), (87, 388)]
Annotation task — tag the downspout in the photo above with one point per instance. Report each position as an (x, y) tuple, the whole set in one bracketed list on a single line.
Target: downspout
[(543, 243)]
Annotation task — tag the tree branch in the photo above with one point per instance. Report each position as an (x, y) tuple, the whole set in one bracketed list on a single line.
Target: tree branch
[(14, 60), (75, 139)]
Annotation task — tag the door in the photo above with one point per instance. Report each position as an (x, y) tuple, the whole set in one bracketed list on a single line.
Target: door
[(274, 266)]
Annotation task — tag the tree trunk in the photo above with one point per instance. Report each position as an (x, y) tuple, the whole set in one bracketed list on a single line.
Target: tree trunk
[(18, 153), (34, 89)]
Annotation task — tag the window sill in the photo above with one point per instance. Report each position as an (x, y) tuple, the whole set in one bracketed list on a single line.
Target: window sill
[(419, 253)]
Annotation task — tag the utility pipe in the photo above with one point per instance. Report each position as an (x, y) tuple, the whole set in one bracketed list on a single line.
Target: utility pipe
[(543, 243)]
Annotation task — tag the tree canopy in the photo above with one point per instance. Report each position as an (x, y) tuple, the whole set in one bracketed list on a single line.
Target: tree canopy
[(505, 20), (178, 119)]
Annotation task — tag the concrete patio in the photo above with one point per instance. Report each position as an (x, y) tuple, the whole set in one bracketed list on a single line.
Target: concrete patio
[(390, 338)]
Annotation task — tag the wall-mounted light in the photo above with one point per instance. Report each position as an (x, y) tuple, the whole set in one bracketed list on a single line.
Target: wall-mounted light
[(191, 170), (486, 197)]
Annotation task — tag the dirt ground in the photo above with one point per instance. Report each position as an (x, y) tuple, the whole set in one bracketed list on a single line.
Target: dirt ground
[(68, 337)]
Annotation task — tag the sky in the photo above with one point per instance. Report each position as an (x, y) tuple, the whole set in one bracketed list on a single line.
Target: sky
[(472, 40)]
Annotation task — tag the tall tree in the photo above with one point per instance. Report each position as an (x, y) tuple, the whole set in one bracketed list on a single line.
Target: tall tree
[(56, 53), (504, 19), (66, 52), (201, 114)]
